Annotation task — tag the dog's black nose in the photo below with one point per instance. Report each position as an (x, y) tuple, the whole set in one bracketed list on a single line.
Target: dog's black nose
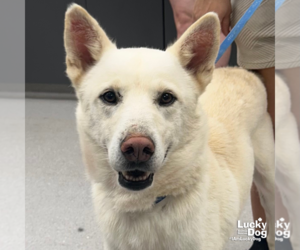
[(137, 149)]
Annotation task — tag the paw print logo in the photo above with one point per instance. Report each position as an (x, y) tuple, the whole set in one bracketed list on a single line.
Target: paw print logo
[(259, 219)]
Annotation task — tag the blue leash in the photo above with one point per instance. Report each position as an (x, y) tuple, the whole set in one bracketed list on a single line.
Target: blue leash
[(237, 28), (278, 3), (240, 25)]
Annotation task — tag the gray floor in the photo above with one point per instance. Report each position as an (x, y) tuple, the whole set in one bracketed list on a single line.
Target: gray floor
[(59, 213), (12, 174)]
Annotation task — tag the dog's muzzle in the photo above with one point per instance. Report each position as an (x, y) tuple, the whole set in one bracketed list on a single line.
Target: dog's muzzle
[(137, 150)]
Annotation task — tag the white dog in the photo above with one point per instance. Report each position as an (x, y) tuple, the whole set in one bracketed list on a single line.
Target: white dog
[(170, 144)]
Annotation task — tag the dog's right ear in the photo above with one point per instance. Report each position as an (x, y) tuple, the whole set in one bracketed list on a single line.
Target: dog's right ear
[(84, 41), (197, 48)]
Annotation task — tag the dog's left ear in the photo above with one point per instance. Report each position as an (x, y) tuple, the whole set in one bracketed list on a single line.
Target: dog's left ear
[(198, 47)]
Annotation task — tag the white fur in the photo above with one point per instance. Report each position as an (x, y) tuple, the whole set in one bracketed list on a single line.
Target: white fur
[(216, 137)]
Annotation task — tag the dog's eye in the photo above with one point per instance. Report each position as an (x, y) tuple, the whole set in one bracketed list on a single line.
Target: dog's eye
[(109, 97), (166, 99)]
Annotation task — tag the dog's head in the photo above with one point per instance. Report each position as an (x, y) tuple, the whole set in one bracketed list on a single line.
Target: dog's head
[(140, 125)]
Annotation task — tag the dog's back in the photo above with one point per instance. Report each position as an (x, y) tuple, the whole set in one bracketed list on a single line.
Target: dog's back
[(236, 98)]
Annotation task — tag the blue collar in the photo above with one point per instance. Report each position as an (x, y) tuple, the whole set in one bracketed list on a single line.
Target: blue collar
[(159, 199)]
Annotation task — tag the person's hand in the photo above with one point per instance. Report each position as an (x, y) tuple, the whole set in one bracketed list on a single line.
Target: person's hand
[(221, 7)]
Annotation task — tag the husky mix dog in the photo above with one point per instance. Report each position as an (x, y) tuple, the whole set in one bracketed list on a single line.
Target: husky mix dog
[(166, 126)]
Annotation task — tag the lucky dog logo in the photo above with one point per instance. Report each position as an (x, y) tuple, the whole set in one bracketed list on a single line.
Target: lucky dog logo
[(257, 228), (282, 230), (252, 230)]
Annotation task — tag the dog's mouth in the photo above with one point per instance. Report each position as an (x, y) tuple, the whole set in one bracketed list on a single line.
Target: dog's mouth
[(135, 180)]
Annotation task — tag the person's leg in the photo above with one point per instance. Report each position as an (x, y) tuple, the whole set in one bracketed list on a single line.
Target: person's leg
[(257, 209), (268, 76)]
